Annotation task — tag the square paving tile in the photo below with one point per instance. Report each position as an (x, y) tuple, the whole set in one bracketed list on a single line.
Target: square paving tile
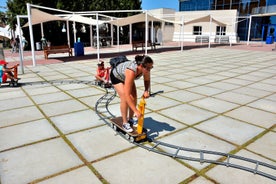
[(24, 114), (238, 81), (39, 160), (15, 103), (91, 100), (187, 114), (199, 80), (183, 95), (271, 97), (254, 116), (266, 105), (50, 97), (57, 77), (214, 105), (265, 145), (81, 175), (77, 121), (194, 139), (161, 87), (205, 90), (72, 86), (126, 168), (93, 143), (263, 86), (26, 133), (160, 102), (229, 129), (40, 89), (181, 84), (235, 97), (201, 180), (84, 92), (271, 81), (8, 94), (62, 107), (252, 92)]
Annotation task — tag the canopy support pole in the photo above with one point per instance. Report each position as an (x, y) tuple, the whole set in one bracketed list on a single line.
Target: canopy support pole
[(146, 32), (182, 33), (118, 38), (249, 27), (68, 34), (20, 48), (42, 30), (31, 32), (91, 35), (130, 33), (210, 29), (98, 38)]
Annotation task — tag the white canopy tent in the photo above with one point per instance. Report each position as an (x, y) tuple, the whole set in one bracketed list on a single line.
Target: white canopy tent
[(40, 17), (34, 18), (84, 20), (207, 18), (145, 16), (134, 19), (142, 17)]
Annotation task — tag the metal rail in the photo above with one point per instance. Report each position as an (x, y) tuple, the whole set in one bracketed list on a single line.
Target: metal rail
[(178, 152), (174, 151)]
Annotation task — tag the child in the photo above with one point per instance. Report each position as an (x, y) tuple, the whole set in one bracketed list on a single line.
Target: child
[(102, 73), (6, 72)]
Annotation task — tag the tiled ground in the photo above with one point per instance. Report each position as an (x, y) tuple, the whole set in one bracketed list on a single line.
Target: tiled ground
[(216, 99)]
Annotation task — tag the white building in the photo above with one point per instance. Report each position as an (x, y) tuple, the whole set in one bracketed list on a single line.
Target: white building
[(190, 25)]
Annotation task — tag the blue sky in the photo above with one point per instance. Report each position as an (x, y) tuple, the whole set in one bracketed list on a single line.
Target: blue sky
[(153, 4), (2, 3)]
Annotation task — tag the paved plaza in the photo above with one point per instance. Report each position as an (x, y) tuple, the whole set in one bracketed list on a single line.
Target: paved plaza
[(216, 99)]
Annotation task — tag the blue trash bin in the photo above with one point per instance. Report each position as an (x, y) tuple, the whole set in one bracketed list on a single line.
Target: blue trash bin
[(269, 40), (79, 49)]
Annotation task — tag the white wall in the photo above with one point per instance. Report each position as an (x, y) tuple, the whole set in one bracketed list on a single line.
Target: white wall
[(174, 32)]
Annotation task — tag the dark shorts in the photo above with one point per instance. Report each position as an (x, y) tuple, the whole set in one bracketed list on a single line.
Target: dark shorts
[(113, 79)]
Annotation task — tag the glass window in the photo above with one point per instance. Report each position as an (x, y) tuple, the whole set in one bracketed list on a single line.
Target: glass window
[(197, 30), (221, 30)]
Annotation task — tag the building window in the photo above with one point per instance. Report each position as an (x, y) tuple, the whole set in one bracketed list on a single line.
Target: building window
[(169, 24), (197, 30), (221, 30)]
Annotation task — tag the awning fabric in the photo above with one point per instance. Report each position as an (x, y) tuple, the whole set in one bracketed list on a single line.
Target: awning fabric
[(84, 20), (133, 19), (207, 18), (40, 17)]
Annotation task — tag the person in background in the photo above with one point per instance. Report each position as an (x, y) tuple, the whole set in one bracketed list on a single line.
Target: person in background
[(123, 78), (13, 45), (24, 43), (17, 43)]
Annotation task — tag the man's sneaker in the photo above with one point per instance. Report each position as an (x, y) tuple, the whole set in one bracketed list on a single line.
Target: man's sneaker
[(127, 127), (133, 122)]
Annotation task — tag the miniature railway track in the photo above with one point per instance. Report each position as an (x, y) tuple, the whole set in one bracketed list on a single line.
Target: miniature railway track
[(203, 156), (174, 151)]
